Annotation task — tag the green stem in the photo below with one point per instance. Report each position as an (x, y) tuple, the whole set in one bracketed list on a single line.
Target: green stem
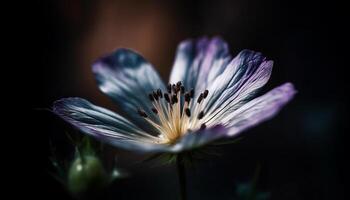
[(181, 172)]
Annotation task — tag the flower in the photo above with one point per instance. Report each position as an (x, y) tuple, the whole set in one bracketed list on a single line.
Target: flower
[(210, 96)]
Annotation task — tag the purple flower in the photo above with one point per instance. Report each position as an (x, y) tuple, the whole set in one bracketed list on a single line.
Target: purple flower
[(210, 96)]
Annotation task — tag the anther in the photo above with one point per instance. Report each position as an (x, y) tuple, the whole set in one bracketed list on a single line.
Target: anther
[(182, 89), (169, 88), (141, 113), (155, 95), (187, 97), (178, 84), (150, 96), (201, 115), (188, 112), (155, 111), (159, 93), (200, 98), (203, 126), (205, 93), (174, 99), (174, 88), (166, 97), (192, 93), (177, 87)]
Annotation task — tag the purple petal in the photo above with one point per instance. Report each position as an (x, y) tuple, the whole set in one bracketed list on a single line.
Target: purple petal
[(240, 81), (259, 109)]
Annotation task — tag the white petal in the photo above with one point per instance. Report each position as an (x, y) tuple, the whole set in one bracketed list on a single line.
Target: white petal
[(128, 78), (242, 78), (104, 125)]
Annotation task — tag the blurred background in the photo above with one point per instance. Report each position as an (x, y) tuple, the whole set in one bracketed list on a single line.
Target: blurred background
[(301, 151)]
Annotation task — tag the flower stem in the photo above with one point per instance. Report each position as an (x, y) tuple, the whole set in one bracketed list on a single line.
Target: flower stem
[(181, 172)]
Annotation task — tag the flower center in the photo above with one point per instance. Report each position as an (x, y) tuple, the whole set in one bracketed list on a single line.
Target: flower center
[(176, 112)]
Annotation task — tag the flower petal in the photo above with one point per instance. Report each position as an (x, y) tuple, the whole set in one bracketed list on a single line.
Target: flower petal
[(128, 78), (104, 125), (241, 79), (206, 64), (198, 62), (258, 109)]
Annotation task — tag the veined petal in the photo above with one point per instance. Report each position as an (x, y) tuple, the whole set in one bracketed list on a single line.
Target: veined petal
[(104, 124), (128, 78), (258, 109), (198, 62), (240, 81)]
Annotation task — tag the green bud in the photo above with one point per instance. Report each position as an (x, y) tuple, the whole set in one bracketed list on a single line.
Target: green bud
[(86, 173)]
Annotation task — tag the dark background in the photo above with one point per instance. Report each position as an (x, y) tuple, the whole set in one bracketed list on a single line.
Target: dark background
[(301, 150)]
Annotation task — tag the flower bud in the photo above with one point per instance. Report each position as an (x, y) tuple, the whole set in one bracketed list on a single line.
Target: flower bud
[(86, 173)]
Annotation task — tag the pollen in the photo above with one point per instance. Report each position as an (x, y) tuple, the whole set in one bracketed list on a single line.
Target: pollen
[(176, 114)]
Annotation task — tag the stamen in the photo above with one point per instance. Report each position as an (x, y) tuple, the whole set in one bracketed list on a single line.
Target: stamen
[(169, 88), (200, 98), (188, 112), (159, 93), (142, 113), (173, 88), (178, 84), (187, 97), (200, 115), (176, 87), (155, 110), (174, 99), (155, 95), (166, 97), (205, 93), (203, 126), (174, 117), (182, 89), (192, 93), (150, 96)]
